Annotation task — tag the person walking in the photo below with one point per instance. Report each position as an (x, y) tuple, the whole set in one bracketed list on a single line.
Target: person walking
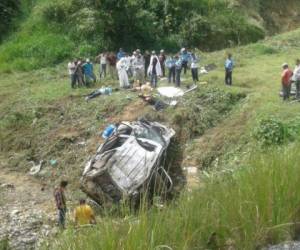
[(71, 69), (194, 67), (178, 68), (296, 78), (162, 59), (170, 64), (60, 201), (286, 78), (84, 214), (154, 69), (229, 65)]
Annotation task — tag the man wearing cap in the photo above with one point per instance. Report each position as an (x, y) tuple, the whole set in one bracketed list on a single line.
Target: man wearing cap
[(286, 78), (154, 69), (162, 59)]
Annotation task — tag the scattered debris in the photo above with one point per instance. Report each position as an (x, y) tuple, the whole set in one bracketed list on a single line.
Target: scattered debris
[(129, 162), (108, 131), (53, 163), (36, 168)]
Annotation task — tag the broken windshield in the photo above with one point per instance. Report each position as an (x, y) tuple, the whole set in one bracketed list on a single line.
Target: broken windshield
[(150, 133)]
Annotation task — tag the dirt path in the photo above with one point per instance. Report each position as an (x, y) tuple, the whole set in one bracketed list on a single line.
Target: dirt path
[(26, 210)]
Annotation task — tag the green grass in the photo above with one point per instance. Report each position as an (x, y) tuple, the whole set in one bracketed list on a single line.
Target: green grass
[(244, 208), (244, 200), (251, 198)]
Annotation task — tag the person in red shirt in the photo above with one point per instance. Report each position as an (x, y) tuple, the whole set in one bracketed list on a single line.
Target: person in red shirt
[(286, 80)]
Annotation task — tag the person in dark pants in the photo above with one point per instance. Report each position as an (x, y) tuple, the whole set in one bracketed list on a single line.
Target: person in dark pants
[(71, 69), (162, 59), (147, 58), (296, 78), (185, 57), (60, 201), (229, 64), (178, 67), (286, 78), (154, 69), (170, 64), (194, 67)]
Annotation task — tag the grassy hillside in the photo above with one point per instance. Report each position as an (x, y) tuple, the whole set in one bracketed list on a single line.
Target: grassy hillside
[(249, 197), (48, 32)]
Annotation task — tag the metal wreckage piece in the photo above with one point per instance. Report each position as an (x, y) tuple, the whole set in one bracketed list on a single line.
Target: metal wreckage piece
[(129, 163)]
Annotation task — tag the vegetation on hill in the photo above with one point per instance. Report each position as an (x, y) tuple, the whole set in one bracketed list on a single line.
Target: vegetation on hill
[(56, 30)]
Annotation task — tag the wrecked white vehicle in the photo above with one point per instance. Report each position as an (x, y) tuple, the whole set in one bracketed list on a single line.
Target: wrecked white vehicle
[(129, 163)]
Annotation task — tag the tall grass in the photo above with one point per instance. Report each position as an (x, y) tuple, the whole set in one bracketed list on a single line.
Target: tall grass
[(248, 208)]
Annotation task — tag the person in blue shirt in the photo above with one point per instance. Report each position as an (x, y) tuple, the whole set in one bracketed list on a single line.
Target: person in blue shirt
[(88, 70), (178, 67), (120, 54), (170, 64), (185, 58), (229, 65)]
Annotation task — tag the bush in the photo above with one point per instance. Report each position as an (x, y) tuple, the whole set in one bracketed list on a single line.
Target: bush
[(271, 131)]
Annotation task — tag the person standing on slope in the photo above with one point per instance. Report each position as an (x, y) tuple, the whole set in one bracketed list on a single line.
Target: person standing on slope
[(162, 59), (154, 69), (61, 205), (71, 69), (229, 65), (286, 78), (122, 67), (178, 68), (194, 67), (296, 78)]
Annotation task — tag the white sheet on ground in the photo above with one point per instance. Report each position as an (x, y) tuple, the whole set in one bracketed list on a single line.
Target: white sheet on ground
[(170, 92)]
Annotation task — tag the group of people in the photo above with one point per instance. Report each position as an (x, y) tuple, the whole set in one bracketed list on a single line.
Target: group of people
[(83, 213), (81, 72), (155, 66), (137, 66), (288, 77)]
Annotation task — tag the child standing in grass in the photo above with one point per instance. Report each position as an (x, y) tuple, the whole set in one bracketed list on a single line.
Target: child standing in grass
[(286, 78)]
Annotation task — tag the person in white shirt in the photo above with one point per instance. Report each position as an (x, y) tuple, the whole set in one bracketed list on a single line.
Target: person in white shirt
[(296, 78), (72, 69), (194, 67), (103, 62)]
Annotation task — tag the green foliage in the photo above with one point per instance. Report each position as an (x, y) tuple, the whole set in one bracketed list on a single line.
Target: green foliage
[(248, 208), (83, 28), (262, 49), (203, 109), (270, 131), (9, 9)]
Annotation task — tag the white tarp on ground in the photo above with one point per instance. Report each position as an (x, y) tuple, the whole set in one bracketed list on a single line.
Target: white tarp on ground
[(170, 92)]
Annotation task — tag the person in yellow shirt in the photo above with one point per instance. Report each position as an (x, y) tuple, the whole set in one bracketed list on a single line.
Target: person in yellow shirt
[(84, 214)]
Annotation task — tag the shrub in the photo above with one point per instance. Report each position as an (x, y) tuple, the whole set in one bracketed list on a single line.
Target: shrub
[(271, 131)]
